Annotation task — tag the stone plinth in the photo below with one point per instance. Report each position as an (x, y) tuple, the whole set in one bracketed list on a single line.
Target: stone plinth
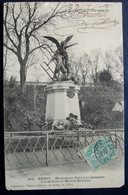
[(62, 99)]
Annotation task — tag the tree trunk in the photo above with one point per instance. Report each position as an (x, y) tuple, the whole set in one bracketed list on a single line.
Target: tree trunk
[(84, 79), (23, 78)]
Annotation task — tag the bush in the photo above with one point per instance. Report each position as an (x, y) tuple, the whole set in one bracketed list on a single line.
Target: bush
[(19, 110), (97, 104), (105, 76)]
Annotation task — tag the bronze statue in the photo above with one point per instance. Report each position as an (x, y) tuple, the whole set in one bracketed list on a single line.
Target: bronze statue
[(61, 57)]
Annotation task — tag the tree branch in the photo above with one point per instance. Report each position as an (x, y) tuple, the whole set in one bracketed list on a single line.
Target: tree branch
[(54, 13), (36, 48), (10, 49), (16, 19), (6, 29)]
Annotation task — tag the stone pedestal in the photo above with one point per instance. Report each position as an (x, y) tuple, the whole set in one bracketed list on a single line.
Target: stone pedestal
[(62, 99)]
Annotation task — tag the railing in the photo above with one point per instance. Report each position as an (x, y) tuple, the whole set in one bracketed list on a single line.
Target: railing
[(111, 125), (41, 148)]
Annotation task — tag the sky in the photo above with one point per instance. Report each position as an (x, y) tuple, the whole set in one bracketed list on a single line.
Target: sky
[(94, 26)]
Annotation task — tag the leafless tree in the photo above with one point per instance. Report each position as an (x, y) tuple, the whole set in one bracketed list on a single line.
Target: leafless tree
[(119, 53), (95, 55), (24, 24), (74, 66), (85, 67), (118, 60), (114, 62), (5, 59), (108, 58)]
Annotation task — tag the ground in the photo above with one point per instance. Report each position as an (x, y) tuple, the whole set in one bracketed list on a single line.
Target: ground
[(67, 175)]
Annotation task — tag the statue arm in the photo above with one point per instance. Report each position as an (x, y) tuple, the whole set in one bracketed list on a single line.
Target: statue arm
[(53, 58)]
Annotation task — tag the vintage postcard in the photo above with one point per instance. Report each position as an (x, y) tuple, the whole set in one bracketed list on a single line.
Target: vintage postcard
[(63, 95)]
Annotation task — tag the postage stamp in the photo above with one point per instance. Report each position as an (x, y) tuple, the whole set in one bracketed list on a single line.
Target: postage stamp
[(99, 152)]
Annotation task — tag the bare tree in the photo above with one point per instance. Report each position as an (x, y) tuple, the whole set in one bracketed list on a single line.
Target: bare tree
[(114, 62), (85, 67), (23, 26), (5, 59), (81, 67), (95, 55), (119, 53), (108, 58), (74, 66), (118, 61)]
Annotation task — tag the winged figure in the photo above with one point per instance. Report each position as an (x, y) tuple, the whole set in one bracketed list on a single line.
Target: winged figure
[(61, 56)]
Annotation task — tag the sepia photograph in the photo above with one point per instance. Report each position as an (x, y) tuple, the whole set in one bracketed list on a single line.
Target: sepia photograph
[(63, 95)]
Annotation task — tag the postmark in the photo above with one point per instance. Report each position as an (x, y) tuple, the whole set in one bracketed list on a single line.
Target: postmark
[(99, 153)]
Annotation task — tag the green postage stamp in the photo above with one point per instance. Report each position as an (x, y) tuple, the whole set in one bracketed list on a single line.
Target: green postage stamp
[(99, 152)]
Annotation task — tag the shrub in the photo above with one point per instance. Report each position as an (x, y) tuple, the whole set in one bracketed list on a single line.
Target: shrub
[(105, 76)]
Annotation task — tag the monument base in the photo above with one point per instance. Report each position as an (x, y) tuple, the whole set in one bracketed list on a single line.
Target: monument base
[(62, 99)]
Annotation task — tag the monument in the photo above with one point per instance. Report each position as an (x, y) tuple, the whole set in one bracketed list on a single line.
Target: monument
[(62, 93), (62, 99)]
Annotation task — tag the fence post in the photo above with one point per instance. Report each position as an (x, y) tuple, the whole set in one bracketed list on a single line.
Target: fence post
[(77, 138), (85, 139), (115, 139), (47, 148)]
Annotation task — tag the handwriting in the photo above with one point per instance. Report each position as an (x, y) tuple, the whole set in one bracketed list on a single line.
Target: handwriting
[(82, 26), (77, 11), (86, 17)]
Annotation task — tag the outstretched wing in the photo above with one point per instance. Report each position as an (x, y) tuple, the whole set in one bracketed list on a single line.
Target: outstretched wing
[(70, 45), (67, 39), (53, 40)]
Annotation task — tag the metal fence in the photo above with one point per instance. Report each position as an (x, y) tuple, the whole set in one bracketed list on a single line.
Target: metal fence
[(41, 148)]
